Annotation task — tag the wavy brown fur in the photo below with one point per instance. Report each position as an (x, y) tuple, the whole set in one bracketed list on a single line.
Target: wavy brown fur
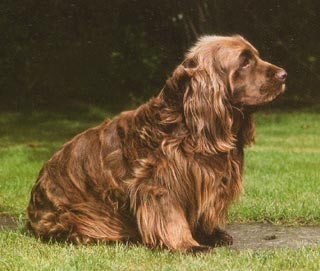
[(165, 173)]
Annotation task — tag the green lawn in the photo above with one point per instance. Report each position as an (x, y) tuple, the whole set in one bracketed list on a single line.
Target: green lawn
[(282, 175)]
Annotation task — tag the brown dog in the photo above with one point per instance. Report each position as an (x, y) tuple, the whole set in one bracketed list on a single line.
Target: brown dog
[(165, 173)]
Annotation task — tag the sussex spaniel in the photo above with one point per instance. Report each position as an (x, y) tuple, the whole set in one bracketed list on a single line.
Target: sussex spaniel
[(165, 173)]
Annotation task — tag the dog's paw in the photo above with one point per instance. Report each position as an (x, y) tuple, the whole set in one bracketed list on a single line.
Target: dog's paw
[(221, 238)]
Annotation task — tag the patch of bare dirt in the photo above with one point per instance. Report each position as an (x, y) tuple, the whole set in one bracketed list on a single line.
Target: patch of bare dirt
[(257, 236), (253, 236)]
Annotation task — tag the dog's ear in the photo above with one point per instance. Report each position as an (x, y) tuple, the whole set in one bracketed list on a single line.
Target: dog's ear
[(175, 86), (207, 111)]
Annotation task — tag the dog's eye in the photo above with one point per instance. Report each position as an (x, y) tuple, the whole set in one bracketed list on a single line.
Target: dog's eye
[(245, 64), (245, 59)]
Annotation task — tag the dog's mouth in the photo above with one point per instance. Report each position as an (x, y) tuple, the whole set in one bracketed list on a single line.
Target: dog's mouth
[(261, 100), (274, 96), (277, 94), (267, 99)]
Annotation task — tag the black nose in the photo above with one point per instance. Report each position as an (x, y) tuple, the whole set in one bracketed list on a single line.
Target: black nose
[(281, 75)]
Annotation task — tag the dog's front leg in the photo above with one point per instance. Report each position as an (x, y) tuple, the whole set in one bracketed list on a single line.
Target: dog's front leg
[(160, 219)]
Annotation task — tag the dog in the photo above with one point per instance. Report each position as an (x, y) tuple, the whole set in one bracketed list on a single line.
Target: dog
[(164, 174)]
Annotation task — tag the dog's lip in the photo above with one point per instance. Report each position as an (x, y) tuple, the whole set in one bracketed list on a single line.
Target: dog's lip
[(282, 89), (270, 98), (277, 94), (266, 99)]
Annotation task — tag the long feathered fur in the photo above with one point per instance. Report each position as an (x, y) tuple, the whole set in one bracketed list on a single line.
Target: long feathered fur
[(163, 174)]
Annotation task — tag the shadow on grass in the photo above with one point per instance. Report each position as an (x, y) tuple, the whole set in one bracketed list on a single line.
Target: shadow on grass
[(37, 128)]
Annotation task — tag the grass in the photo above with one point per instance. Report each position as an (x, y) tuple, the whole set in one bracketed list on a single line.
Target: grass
[(27, 253), (282, 171), (281, 186)]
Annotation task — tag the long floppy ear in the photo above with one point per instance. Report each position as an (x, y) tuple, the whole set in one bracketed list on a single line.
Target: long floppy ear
[(175, 86), (207, 111)]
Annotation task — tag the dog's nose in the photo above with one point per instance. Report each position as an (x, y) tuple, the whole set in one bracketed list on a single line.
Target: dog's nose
[(281, 75)]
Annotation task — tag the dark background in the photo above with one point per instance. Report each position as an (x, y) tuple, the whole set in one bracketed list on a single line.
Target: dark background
[(117, 53)]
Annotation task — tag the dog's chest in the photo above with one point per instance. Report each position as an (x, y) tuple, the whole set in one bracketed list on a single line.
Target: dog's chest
[(206, 182)]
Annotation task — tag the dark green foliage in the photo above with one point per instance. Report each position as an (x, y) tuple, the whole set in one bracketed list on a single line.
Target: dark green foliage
[(117, 52)]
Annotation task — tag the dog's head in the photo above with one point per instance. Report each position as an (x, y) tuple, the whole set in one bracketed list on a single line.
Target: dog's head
[(248, 80), (218, 75)]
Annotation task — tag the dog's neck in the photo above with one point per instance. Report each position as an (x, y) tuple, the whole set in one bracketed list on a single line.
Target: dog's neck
[(243, 127), (167, 120)]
